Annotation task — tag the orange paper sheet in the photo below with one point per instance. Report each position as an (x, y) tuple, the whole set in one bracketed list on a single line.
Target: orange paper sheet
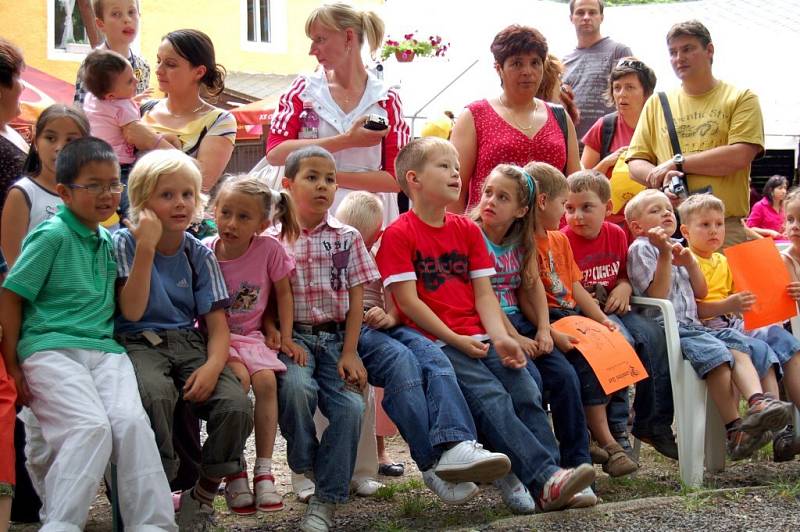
[(757, 267), (611, 357)]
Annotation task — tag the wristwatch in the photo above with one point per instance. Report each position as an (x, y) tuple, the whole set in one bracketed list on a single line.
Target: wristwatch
[(678, 161)]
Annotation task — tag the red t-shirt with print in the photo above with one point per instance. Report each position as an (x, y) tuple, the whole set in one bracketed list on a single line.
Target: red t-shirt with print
[(603, 259)]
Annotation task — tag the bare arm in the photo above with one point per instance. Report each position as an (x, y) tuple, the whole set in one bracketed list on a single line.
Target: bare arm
[(588, 305), (201, 383), (350, 367), (639, 169), (11, 320), (465, 140), (143, 137), (14, 225), (417, 311), (213, 157), (135, 293), (492, 315), (590, 159), (573, 155), (662, 278), (371, 181), (722, 160)]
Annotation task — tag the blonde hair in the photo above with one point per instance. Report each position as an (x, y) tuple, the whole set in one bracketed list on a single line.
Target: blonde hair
[(277, 206), (341, 16), (698, 203), (590, 180), (362, 210), (521, 231), (549, 180), (99, 5), (149, 169), (637, 204), (414, 155)]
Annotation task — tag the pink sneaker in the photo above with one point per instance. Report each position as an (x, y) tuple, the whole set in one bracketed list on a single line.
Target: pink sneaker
[(238, 495)]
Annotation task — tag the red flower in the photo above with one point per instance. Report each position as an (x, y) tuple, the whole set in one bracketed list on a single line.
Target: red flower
[(408, 36)]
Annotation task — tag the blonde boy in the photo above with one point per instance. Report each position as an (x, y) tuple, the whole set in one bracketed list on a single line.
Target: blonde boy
[(662, 268), (437, 268), (703, 225), (119, 22)]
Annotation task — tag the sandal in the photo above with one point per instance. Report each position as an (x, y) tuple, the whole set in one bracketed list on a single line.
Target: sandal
[(238, 496), (267, 497), (391, 470)]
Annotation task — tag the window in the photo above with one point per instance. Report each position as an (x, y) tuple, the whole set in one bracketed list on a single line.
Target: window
[(66, 34), (258, 21)]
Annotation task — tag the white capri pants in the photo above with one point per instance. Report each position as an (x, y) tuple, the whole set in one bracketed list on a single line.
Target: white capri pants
[(87, 403)]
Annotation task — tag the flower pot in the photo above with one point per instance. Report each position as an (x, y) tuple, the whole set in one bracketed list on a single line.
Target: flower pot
[(404, 56)]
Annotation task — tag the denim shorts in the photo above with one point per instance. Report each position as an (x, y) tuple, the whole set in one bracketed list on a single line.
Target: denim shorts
[(782, 342), (707, 348)]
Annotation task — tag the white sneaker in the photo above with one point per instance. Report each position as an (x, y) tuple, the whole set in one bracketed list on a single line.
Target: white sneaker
[(583, 499), (318, 517), (515, 495), (366, 487), (470, 462), (448, 492), (194, 515), (303, 487)]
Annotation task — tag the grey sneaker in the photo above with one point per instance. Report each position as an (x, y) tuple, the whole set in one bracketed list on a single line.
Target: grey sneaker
[(318, 517), (515, 495), (194, 516)]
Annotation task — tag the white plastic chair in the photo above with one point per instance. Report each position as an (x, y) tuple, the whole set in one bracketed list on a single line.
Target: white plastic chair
[(700, 431), (796, 332)]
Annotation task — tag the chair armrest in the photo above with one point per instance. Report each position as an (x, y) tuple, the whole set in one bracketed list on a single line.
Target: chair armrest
[(670, 330)]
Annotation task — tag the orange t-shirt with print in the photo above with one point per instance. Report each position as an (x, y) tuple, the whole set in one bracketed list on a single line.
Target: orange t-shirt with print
[(558, 269)]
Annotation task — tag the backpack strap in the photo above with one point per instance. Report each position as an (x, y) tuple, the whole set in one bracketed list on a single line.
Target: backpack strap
[(607, 133), (560, 115)]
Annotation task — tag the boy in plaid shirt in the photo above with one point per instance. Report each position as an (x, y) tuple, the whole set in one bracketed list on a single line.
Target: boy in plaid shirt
[(332, 267)]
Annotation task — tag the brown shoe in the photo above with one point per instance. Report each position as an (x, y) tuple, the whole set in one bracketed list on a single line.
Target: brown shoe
[(785, 445), (597, 453), (619, 463)]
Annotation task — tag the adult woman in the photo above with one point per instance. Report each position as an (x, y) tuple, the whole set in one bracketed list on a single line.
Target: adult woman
[(186, 64), (767, 217), (342, 93), (630, 83), (515, 127), (13, 148)]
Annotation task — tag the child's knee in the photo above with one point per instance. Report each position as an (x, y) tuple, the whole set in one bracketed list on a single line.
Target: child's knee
[(265, 385)]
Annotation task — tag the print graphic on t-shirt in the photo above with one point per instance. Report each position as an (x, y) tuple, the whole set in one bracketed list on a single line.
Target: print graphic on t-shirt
[(340, 258), (246, 298), (557, 287), (50, 210), (434, 272)]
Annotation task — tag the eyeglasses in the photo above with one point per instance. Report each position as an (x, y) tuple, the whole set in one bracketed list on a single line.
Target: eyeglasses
[(632, 63), (95, 189)]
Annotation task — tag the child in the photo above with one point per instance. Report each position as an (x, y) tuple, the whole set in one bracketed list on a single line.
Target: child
[(786, 445), (57, 314), (506, 214), (433, 419), (703, 225), (767, 216), (33, 198), (119, 22), (660, 267), (168, 281), (566, 296), (438, 271), (8, 398), (600, 249), (251, 265), (332, 266)]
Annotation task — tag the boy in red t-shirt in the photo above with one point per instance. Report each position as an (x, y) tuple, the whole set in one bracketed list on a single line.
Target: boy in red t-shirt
[(436, 267), (566, 296), (600, 249)]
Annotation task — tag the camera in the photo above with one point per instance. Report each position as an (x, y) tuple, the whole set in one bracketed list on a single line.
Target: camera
[(376, 123), (677, 186)]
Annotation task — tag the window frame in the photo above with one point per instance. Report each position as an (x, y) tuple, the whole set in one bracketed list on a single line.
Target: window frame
[(277, 31), (58, 54)]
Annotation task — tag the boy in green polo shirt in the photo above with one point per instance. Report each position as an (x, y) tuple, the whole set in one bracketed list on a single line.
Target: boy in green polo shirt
[(57, 310)]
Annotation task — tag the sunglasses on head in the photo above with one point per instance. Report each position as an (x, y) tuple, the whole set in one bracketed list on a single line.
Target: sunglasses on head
[(632, 63)]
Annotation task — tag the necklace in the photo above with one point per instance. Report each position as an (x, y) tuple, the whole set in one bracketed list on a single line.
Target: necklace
[(193, 111), (513, 118)]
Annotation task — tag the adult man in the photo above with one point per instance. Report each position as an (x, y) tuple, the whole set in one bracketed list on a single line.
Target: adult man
[(586, 68), (719, 127)]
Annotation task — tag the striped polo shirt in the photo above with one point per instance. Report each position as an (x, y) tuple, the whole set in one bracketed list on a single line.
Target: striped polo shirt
[(65, 275)]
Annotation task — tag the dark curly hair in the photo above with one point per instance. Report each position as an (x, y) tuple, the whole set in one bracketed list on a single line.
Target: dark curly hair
[(515, 40), (11, 62), (197, 48), (631, 65)]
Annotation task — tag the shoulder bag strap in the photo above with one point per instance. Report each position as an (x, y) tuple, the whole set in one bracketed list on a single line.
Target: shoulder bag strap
[(673, 135), (607, 133)]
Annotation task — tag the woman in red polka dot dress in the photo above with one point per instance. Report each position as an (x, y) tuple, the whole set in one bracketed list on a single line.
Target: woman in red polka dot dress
[(514, 127)]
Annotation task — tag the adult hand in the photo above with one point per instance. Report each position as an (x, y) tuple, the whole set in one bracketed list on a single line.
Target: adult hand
[(661, 175), (610, 160), (360, 137), (147, 232)]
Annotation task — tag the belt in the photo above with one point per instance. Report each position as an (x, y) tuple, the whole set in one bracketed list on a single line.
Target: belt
[(331, 327)]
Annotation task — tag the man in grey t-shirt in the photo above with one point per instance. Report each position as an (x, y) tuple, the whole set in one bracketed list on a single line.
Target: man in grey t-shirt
[(586, 68)]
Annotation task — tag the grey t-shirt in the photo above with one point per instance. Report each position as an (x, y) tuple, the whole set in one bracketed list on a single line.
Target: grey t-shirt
[(586, 70)]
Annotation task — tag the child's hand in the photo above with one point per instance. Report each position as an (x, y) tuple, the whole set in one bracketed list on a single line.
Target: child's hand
[(610, 325), (200, 384), (619, 300), (293, 350), (352, 370), (272, 336), (377, 318), (742, 301), (148, 231), (544, 339), (510, 352), (146, 94), (660, 239), (564, 342), (794, 290), (470, 346), (681, 256), (529, 347)]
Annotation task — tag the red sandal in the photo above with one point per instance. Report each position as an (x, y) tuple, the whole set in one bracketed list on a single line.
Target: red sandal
[(238, 495)]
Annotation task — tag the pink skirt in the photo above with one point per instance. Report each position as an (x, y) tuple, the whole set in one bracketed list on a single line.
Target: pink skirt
[(251, 351), (383, 425)]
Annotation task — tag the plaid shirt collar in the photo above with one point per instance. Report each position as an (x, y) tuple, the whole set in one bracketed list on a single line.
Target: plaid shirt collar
[(329, 221)]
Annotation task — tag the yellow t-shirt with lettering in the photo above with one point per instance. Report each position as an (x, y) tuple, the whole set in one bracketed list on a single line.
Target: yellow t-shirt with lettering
[(718, 276), (723, 116)]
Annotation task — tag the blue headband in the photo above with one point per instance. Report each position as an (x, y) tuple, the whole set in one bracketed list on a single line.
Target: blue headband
[(530, 182)]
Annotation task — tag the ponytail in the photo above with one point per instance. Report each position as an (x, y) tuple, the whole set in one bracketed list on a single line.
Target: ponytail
[(284, 211)]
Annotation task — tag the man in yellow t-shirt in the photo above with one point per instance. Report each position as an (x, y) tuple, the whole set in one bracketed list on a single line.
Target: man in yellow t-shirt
[(720, 130)]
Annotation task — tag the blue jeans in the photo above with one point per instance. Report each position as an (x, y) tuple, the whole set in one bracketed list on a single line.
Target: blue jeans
[(420, 390), (300, 391), (507, 407), (561, 384), (653, 404)]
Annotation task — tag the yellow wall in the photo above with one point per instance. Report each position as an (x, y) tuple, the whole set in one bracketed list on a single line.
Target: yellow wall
[(25, 23)]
